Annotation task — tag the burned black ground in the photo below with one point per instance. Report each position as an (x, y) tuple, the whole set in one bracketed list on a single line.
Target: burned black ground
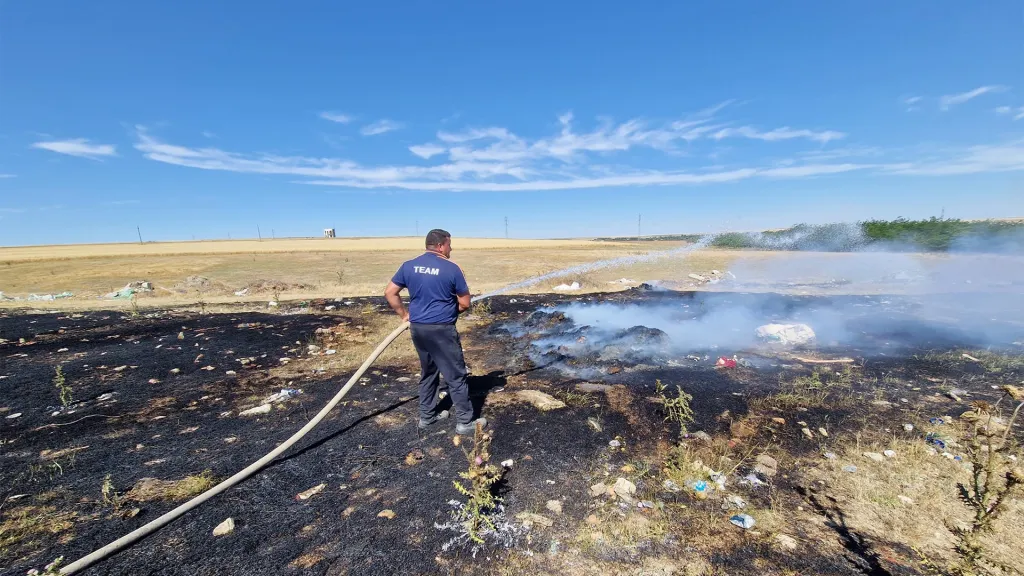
[(176, 427)]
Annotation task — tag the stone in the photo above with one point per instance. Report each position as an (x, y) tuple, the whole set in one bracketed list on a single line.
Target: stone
[(823, 432), (595, 424), (907, 500), (624, 489), (540, 400), (671, 486), (874, 456), (785, 542), (307, 494), (529, 519), (389, 514), (554, 506), (702, 436), (766, 466), (599, 489), (889, 453), (807, 432), (591, 387), (224, 528), (261, 409), (781, 421)]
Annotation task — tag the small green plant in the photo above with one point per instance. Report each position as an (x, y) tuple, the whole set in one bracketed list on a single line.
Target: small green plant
[(479, 487), (51, 569), (275, 295), (340, 274), (991, 488), (482, 307), (62, 386), (677, 409), (133, 307), (110, 495)]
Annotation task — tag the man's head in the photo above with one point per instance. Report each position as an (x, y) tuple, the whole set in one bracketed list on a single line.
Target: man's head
[(439, 241)]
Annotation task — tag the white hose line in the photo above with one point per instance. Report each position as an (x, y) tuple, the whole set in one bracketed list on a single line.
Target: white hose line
[(157, 523)]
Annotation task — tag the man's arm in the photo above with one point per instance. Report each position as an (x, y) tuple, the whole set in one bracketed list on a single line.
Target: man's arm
[(463, 303), (391, 294), (462, 291)]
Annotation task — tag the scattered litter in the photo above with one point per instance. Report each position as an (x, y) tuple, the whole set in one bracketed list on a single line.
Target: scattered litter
[(830, 361), (507, 463), (969, 357), (850, 468), (49, 297), (242, 292), (743, 521), (889, 453), (306, 495), (130, 290), (284, 394), (908, 427), (615, 444), (567, 287), (619, 281), (389, 514), (13, 416), (724, 362), (175, 370), (224, 528), (953, 396), (823, 432), (230, 373), (830, 455), (701, 435), (594, 423), (788, 334), (936, 421), (671, 486), (62, 350), (935, 440), (330, 351), (753, 480), (16, 497), (645, 504), (734, 502), (807, 432), (261, 409), (700, 488)]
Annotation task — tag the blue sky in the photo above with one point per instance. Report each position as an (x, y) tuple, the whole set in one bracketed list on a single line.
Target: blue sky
[(208, 119)]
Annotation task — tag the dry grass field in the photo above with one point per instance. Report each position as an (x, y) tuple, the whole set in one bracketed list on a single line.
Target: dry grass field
[(311, 268)]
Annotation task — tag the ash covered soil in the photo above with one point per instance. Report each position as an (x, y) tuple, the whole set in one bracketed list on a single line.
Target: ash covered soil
[(159, 396)]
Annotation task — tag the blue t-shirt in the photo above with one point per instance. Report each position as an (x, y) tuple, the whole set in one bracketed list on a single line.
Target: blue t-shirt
[(434, 283)]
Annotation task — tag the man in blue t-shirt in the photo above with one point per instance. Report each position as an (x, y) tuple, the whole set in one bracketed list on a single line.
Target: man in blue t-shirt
[(438, 293)]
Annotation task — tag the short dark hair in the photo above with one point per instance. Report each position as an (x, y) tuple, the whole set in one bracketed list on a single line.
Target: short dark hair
[(437, 237)]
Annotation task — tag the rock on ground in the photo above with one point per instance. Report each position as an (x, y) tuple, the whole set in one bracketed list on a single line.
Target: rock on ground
[(224, 528), (540, 400)]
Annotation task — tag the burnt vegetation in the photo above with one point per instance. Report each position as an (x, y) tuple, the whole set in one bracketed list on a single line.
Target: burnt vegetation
[(641, 468)]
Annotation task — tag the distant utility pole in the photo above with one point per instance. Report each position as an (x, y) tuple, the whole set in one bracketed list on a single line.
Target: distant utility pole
[(417, 227), (139, 230), (259, 235), (638, 217), (273, 234), (506, 227)]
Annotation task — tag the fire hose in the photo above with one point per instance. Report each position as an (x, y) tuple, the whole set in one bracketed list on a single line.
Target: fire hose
[(157, 523)]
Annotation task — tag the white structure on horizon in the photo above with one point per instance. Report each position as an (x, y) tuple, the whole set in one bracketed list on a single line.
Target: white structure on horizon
[(328, 232)]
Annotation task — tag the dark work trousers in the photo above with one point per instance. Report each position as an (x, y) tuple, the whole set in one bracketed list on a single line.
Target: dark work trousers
[(440, 351)]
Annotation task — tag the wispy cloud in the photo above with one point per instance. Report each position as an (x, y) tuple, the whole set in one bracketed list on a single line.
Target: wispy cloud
[(123, 202), (785, 133), (80, 147), (336, 117), (912, 102), (208, 134), (1017, 113), (610, 154), (2, 176), (381, 127), (11, 210), (427, 151), (950, 100)]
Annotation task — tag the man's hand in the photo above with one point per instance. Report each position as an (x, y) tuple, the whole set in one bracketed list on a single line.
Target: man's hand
[(391, 294), (464, 302)]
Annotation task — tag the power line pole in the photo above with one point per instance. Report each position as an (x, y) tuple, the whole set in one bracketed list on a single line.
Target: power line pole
[(417, 227), (259, 235), (273, 235), (139, 230), (638, 217), (506, 227)]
